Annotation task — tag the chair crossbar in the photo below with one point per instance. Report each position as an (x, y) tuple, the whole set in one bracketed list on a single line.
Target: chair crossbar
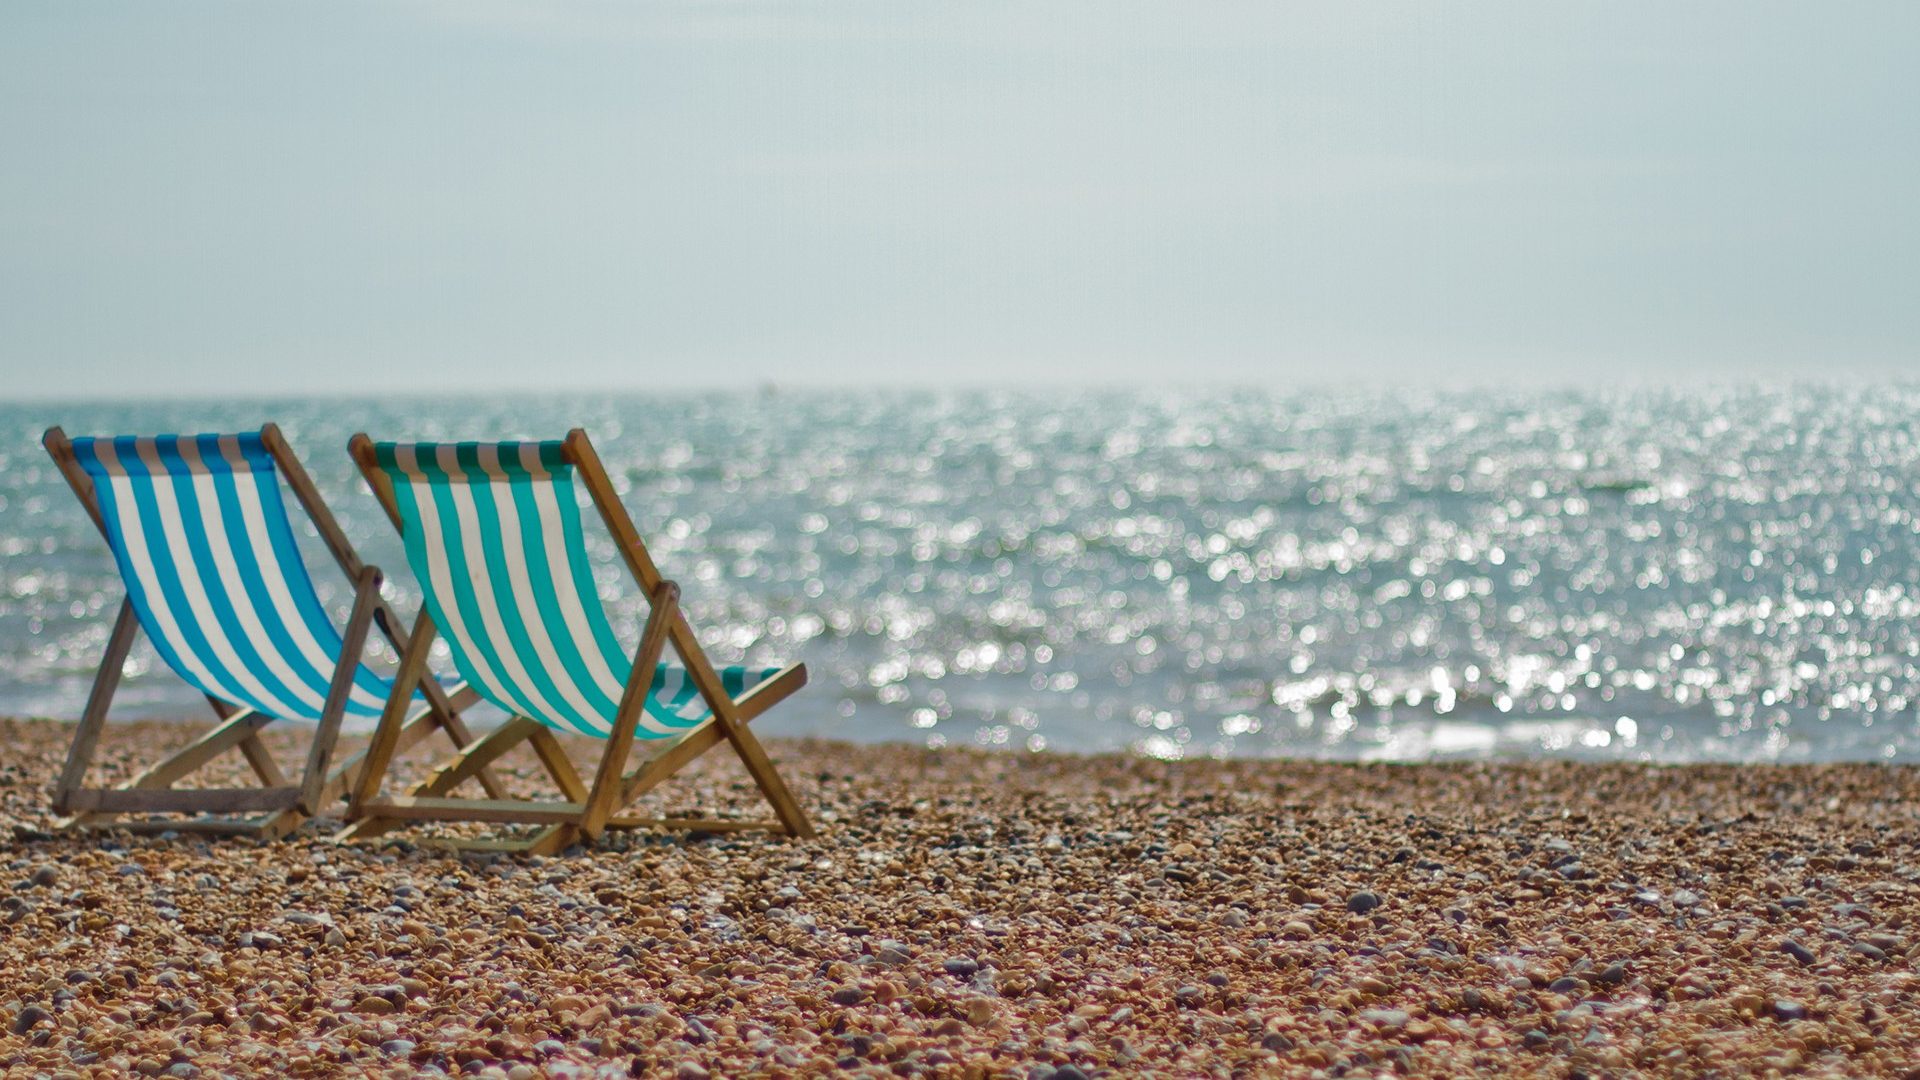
[(184, 800), (523, 811)]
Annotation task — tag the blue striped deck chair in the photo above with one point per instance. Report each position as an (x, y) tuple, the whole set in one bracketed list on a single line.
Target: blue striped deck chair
[(215, 579), (493, 532)]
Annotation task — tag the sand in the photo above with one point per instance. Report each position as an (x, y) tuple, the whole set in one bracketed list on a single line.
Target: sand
[(991, 914)]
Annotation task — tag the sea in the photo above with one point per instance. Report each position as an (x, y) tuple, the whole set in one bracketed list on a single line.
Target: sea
[(1706, 574)]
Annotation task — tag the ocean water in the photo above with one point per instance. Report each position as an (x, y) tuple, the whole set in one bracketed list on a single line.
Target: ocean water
[(1668, 576)]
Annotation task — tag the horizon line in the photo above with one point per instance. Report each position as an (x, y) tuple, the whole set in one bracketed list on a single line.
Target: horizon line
[(774, 387)]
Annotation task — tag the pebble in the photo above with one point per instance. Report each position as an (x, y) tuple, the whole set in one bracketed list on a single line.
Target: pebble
[(1798, 951), (1362, 902), (27, 1017), (1388, 1018)]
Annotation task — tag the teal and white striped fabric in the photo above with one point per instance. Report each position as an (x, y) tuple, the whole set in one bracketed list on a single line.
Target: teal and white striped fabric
[(201, 535), (493, 533)]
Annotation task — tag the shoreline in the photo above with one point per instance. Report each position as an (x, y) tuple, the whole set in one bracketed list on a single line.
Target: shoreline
[(978, 913), (1441, 741)]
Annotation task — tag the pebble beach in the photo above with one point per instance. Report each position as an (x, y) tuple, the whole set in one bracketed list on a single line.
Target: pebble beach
[(1000, 914)]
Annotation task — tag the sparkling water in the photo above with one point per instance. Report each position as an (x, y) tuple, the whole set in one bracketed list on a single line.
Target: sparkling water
[(1675, 576)]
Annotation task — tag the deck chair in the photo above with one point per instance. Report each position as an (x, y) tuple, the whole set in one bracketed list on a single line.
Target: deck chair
[(215, 579), (493, 532)]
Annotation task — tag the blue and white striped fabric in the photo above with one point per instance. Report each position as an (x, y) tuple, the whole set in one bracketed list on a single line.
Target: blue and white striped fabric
[(493, 533), (201, 535)]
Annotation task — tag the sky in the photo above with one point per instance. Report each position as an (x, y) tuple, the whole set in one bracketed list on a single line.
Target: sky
[(259, 199)]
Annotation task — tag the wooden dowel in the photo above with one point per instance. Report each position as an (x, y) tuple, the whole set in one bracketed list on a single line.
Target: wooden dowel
[(353, 645), (185, 800), (386, 737), (73, 775), (511, 811), (613, 761), (558, 765)]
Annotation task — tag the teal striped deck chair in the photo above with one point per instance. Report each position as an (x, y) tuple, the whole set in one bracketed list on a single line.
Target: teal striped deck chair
[(493, 532), (215, 579)]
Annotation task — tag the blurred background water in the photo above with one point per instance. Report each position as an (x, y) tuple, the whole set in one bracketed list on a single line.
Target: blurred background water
[(1666, 575)]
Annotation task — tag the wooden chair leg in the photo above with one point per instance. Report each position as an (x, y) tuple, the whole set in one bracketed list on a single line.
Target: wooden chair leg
[(86, 736), (386, 737), (665, 603), (261, 761), (559, 766), (353, 645)]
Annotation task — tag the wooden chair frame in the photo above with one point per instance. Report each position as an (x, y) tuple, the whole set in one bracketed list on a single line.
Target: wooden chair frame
[(586, 811), (278, 806)]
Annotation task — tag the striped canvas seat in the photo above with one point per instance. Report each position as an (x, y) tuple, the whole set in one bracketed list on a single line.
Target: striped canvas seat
[(215, 577), (493, 534)]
